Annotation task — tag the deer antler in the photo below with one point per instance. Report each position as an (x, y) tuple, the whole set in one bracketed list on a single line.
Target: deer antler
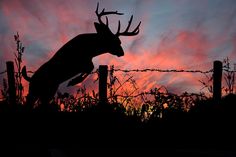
[(126, 32), (99, 15)]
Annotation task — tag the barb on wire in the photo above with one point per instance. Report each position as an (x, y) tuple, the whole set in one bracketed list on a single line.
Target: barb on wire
[(227, 70), (3, 72)]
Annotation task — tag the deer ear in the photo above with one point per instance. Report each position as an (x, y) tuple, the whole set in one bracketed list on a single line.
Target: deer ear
[(99, 28), (102, 29)]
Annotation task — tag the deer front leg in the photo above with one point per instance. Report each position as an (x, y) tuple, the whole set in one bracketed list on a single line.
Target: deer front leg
[(82, 75), (77, 79)]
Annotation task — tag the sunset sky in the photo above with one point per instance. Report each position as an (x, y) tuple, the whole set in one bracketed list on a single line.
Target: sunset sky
[(174, 34)]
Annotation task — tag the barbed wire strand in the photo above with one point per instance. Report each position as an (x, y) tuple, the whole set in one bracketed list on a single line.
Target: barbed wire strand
[(161, 70), (151, 70), (227, 70), (156, 93), (164, 70)]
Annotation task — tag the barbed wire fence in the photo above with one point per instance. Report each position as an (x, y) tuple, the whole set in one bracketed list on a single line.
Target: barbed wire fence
[(160, 95), (153, 70)]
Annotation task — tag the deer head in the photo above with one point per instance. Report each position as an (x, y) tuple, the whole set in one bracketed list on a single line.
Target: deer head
[(112, 41)]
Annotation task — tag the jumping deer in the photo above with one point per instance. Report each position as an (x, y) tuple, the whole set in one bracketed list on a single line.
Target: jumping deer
[(75, 58)]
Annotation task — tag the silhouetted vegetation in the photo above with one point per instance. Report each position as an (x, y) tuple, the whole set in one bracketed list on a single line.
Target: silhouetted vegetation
[(18, 62)]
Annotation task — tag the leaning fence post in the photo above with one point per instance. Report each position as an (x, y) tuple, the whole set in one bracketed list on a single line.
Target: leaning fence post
[(103, 73), (217, 78), (11, 82)]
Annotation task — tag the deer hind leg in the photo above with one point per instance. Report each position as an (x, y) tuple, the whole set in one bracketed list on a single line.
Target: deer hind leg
[(46, 97), (41, 93), (33, 96), (30, 101)]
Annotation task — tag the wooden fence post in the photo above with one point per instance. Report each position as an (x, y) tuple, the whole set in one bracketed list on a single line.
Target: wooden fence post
[(11, 83), (103, 73), (217, 79)]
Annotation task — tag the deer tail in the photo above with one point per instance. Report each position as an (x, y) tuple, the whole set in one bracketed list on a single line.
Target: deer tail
[(24, 74)]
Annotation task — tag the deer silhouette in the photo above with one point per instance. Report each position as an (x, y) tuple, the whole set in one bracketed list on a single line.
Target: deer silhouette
[(75, 58)]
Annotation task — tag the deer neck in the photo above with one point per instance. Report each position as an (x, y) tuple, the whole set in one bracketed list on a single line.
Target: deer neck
[(98, 46)]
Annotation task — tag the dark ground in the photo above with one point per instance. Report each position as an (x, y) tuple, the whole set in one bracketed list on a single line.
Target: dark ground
[(208, 130)]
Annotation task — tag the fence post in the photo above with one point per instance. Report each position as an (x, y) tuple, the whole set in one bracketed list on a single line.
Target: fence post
[(11, 83), (103, 73), (217, 78)]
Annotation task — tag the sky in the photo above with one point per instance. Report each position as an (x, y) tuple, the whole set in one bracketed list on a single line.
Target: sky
[(174, 34)]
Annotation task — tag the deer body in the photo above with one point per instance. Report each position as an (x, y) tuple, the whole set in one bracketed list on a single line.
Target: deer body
[(74, 58)]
